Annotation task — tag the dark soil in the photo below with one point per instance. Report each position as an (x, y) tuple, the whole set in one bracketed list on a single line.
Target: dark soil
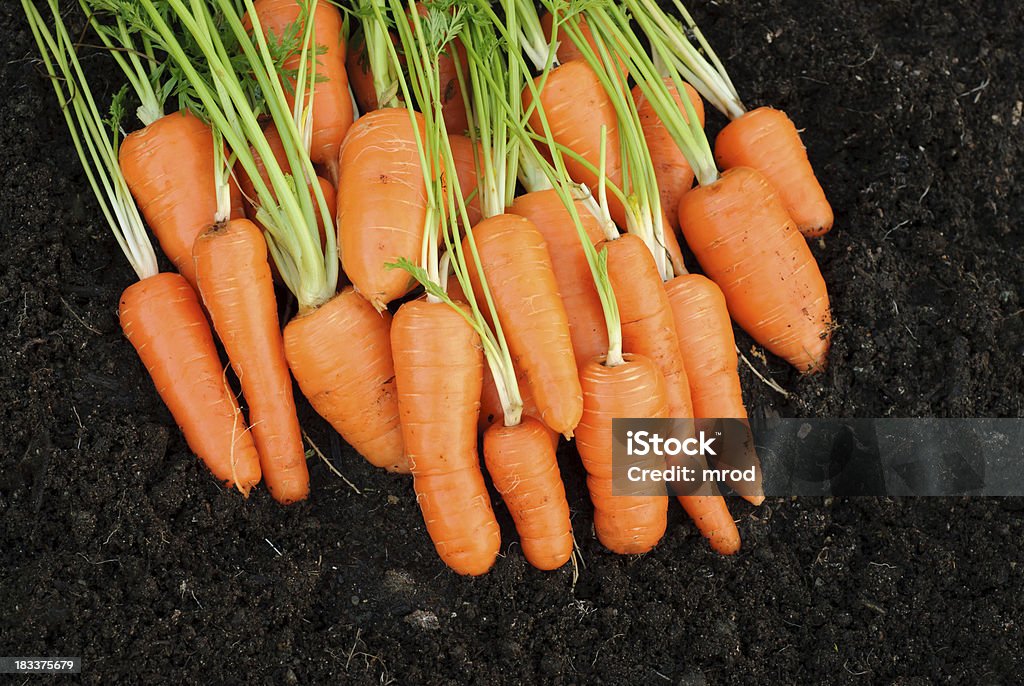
[(115, 545)]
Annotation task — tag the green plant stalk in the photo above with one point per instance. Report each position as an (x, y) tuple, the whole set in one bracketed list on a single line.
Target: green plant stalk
[(710, 78), (422, 63), (97, 151), (286, 207)]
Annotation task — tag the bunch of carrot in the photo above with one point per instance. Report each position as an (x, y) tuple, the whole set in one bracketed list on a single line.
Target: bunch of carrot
[(505, 213)]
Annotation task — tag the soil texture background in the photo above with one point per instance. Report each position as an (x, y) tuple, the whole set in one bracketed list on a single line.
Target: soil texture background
[(116, 546)]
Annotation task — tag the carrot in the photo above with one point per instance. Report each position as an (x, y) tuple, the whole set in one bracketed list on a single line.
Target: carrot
[(625, 524), (647, 325), (160, 314), (766, 140), (332, 103), (244, 313), (763, 139), (673, 172), (453, 102), (382, 203), (248, 188), (569, 264), (352, 386), (714, 521), (746, 243), (521, 461), (438, 376), (515, 260), (709, 354), (580, 116), (170, 159), (465, 153)]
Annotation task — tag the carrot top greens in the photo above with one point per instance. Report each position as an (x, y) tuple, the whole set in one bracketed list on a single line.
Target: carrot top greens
[(95, 138)]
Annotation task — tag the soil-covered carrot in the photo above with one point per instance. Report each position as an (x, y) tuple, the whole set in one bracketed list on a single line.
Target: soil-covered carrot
[(160, 314), (329, 98), (764, 139)]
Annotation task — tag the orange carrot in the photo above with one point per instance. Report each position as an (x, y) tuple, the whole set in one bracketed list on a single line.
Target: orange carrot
[(465, 155), (626, 524), (517, 266), (747, 244), (332, 103), (577, 107), (352, 386), (709, 354), (647, 325), (382, 203), (162, 319), (237, 288), (766, 140), (522, 464), (168, 160), (438, 375), (712, 517), (160, 314), (673, 172), (569, 262)]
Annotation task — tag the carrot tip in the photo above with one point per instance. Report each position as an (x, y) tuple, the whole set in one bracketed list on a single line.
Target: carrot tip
[(754, 500)]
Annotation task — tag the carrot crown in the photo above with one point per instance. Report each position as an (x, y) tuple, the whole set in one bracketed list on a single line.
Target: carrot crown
[(289, 206), (95, 145)]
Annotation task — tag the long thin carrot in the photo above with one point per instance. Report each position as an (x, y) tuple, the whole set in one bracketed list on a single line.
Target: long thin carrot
[(764, 139), (329, 98), (569, 262), (513, 255), (709, 354), (160, 314), (673, 172), (244, 313)]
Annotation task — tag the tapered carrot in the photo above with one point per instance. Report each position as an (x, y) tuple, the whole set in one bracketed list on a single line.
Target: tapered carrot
[(569, 263), (766, 140), (626, 524), (522, 464), (438, 375), (581, 116), (170, 159), (747, 244), (351, 385), (763, 139), (714, 521), (237, 288), (382, 203), (647, 325), (160, 314), (515, 260), (162, 319), (709, 356), (673, 172), (332, 104)]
